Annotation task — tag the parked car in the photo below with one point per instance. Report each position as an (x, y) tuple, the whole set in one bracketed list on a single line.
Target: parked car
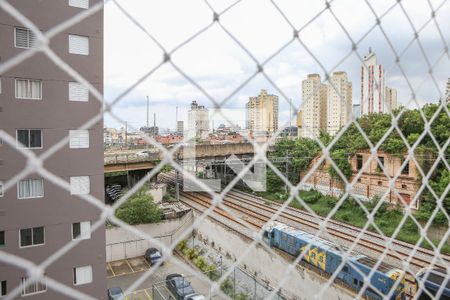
[(195, 297), (115, 293), (179, 286), (152, 256)]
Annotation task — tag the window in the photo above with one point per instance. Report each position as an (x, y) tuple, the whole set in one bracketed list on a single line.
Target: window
[(78, 44), (30, 188), (81, 230), (78, 92), (24, 38), (33, 287), (1, 188), (3, 290), (345, 269), (2, 238), (79, 3), (79, 139), (28, 89), (80, 185), (29, 138), (359, 162), (82, 275), (32, 236), (404, 186), (381, 160), (405, 170)]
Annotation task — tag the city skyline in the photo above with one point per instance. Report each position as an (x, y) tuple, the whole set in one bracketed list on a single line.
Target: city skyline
[(224, 66)]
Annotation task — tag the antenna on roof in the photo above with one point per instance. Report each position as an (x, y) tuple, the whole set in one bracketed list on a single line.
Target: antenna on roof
[(370, 50)]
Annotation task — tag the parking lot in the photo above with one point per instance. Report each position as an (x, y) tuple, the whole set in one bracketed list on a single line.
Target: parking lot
[(124, 273), (126, 266)]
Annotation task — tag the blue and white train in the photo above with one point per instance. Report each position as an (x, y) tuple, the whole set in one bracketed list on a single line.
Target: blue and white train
[(436, 284), (325, 256)]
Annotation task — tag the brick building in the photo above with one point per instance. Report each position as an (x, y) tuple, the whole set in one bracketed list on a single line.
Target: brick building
[(372, 182)]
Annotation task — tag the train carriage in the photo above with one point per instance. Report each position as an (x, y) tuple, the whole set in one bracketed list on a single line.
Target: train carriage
[(434, 281), (325, 256)]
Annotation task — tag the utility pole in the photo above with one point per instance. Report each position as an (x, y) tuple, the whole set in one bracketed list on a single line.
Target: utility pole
[(176, 119), (148, 103), (154, 124), (126, 135)]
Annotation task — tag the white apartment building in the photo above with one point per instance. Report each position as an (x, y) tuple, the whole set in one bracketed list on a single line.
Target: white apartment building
[(339, 102), (262, 113), (447, 91), (314, 106), (198, 120), (391, 99), (372, 85)]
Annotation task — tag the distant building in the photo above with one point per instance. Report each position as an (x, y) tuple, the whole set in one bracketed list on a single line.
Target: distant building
[(262, 113), (356, 111), (198, 120), (447, 91), (314, 96), (151, 131), (290, 131), (180, 126), (339, 102), (391, 99), (372, 85)]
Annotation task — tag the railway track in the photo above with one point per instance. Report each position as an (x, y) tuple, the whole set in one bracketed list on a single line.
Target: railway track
[(256, 208)]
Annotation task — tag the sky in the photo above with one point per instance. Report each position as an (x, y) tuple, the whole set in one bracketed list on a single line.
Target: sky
[(135, 39)]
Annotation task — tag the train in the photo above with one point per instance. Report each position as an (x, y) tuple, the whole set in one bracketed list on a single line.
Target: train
[(434, 280), (325, 256)]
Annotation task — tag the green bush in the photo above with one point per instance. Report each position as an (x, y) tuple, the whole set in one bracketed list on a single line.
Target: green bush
[(181, 246), (227, 287), (139, 209), (191, 253), (241, 296), (200, 263)]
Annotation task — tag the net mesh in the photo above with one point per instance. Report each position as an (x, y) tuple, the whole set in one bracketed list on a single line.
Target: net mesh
[(376, 243)]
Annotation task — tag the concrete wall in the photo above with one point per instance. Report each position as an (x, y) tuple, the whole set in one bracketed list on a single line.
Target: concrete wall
[(121, 243), (302, 284)]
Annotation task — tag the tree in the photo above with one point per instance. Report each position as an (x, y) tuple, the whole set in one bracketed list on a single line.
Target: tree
[(139, 209)]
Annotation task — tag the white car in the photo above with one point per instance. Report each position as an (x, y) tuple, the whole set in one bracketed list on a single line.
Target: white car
[(194, 297)]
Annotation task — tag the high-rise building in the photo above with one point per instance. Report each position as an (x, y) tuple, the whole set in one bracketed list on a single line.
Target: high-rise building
[(390, 99), (447, 91), (314, 106), (180, 126), (356, 111), (372, 85), (262, 113), (40, 106), (339, 102), (299, 123), (198, 120)]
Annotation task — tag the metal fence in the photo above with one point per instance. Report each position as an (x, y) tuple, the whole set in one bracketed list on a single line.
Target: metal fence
[(416, 34)]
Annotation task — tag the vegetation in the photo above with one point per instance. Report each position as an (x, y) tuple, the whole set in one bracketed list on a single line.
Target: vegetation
[(211, 270), (374, 129), (411, 124), (139, 209)]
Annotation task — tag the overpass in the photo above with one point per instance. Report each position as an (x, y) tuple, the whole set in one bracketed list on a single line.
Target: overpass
[(133, 160)]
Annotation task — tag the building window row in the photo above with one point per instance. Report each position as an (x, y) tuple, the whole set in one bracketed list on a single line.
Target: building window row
[(33, 139), (34, 187), (35, 236), (25, 38), (81, 275), (31, 89)]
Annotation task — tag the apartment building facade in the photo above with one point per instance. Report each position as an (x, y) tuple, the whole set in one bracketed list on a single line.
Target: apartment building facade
[(40, 105), (339, 102), (198, 120), (314, 106), (262, 113)]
